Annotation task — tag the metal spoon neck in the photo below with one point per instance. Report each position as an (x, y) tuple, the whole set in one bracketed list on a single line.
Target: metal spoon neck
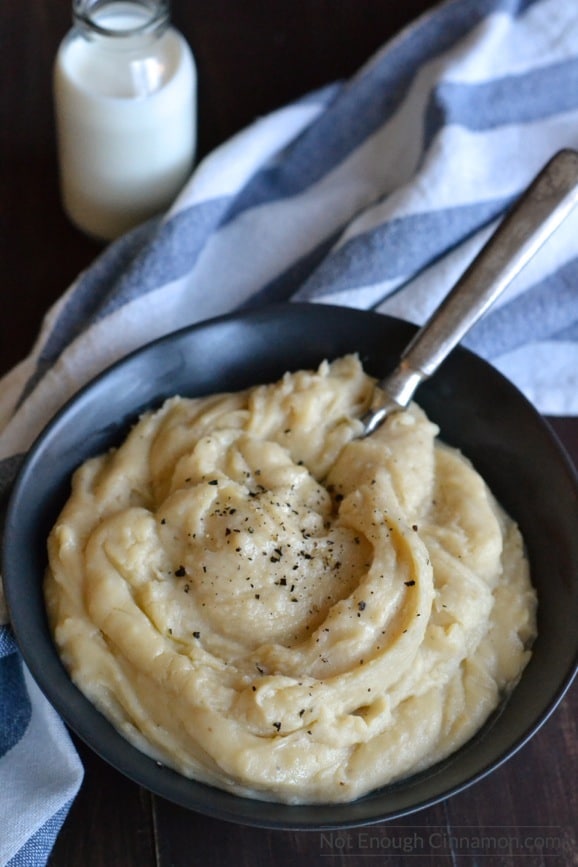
[(537, 214), (401, 386)]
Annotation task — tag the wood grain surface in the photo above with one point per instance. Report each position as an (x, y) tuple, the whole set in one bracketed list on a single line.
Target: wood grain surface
[(252, 57)]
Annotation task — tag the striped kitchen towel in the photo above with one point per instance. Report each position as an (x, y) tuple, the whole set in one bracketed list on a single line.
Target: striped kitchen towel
[(371, 193)]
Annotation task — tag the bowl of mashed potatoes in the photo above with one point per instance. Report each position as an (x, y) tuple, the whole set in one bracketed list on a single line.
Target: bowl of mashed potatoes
[(257, 613)]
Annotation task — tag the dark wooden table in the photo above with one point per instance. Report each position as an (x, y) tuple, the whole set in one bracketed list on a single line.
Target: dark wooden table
[(252, 57)]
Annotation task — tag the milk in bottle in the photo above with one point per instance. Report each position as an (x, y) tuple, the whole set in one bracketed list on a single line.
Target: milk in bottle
[(125, 102)]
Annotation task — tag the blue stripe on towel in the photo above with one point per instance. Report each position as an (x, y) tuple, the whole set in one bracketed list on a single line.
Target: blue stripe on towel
[(398, 249), (8, 470), (36, 850), (154, 255), (15, 707), (320, 245), (513, 99), (369, 103), (138, 263), (546, 311)]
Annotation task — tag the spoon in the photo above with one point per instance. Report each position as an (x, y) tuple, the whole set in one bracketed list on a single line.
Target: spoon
[(536, 215)]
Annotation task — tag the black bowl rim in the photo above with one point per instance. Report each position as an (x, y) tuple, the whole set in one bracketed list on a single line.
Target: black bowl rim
[(298, 817)]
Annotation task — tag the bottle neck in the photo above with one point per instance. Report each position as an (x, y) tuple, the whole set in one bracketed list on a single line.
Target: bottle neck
[(118, 20)]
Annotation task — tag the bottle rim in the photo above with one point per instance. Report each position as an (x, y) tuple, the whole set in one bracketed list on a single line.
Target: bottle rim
[(85, 12)]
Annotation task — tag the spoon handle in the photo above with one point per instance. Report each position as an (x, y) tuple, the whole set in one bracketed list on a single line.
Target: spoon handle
[(537, 214)]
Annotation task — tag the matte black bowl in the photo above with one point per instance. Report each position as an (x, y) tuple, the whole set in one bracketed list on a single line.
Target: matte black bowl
[(477, 410)]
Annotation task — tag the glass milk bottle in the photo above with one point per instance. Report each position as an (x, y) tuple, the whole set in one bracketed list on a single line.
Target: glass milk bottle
[(125, 103)]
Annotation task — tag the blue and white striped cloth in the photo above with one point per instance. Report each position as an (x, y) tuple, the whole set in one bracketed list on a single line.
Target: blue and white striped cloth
[(372, 193)]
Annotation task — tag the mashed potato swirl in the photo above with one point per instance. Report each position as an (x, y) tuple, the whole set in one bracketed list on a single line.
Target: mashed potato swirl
[(266, 603)]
